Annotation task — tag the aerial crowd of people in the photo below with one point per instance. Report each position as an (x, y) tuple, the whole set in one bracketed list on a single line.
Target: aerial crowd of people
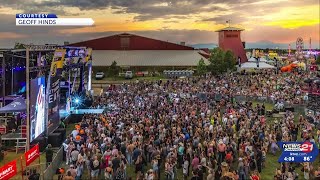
[(178, 129)]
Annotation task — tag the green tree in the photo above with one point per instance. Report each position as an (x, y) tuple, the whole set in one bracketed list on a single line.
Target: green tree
[(19, 46), (221, 61), (318, 60), (113, 69), (230, 60), (201, 67), (267, 50)]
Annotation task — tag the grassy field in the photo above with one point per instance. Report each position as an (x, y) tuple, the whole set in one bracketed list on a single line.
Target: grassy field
[(267, 172), (10, 156)]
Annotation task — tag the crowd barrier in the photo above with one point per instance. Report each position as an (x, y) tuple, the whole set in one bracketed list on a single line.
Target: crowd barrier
[(28, 170), (261, 99), (238, 98), (264, 99), (56, 163)]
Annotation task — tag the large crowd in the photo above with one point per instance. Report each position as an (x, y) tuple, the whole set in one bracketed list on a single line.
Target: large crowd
[(175, 129)]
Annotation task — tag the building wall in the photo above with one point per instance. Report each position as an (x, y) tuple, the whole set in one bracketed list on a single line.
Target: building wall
[(231, 40)]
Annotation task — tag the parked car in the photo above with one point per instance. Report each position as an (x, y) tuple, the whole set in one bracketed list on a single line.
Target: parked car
[(99, 75), (142, 73), (129, 75)]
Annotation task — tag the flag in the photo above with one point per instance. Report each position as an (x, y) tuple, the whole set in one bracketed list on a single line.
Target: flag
[(310, 40)]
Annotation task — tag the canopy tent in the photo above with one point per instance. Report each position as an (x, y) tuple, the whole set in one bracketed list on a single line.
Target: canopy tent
[(18, 105), (10, 97), (253, 65), (252, 59)]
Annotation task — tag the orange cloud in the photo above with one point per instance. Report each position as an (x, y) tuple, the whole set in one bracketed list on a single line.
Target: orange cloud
[(104, 24), (282, 35), (11, 35), (294, 17)]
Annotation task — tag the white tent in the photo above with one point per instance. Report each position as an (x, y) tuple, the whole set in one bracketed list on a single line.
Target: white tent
[(253, 65), (252, 59)]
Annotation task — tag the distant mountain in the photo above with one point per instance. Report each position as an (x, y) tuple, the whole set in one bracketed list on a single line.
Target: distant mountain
[(259, 45), (272, 45), (267, 44), (204, 46)]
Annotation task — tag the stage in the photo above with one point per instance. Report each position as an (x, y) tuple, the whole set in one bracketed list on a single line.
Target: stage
[(19, 136), (64, 113)]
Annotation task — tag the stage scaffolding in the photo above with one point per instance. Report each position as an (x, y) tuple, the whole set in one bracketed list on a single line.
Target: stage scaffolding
[(41, 69)]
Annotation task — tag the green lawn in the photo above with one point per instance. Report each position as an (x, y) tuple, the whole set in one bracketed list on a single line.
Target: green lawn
[(267, 172), (267, 105), (10, 156)]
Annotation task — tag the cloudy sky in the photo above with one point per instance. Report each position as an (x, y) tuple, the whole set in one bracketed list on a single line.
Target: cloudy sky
[(192, 21)]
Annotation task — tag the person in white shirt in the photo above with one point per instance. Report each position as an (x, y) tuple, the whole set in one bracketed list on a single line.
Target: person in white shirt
[(225, 120), (185, 170), (65, 149)]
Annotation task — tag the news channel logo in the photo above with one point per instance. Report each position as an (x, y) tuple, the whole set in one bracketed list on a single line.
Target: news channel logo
[(298, 151), (50, 20)]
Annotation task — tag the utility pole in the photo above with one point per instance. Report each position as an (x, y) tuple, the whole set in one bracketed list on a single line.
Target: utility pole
[(229, 22), (28, 96), (3, 74), (12, 75)]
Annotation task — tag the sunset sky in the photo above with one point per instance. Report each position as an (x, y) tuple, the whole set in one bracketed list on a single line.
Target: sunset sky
[(192, 21)]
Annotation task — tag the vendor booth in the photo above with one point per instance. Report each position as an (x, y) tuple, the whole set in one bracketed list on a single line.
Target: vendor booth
[(19, 133), (255, 65), (252, 59)]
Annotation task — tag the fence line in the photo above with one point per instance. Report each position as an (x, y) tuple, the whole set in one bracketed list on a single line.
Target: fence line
[(236, 97), (56, 162), (264, 99), (28, 170)]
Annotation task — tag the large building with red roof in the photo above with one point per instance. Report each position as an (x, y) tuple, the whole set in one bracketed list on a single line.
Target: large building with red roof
[(138, 51)]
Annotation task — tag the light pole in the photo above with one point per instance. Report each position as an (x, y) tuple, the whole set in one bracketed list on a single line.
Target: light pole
[(276, 61), (28, 96), (3, 78), (306, 62), (12, 75)]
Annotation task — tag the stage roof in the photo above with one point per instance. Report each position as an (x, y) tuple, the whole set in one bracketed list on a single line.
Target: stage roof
[(230, 29), (147, 57), (18, 105)]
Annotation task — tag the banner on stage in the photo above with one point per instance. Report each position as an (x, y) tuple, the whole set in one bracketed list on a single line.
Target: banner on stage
[(88, 54), (56, 69), (32, 154), (57, 62), (9, 170), (298, 152)]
